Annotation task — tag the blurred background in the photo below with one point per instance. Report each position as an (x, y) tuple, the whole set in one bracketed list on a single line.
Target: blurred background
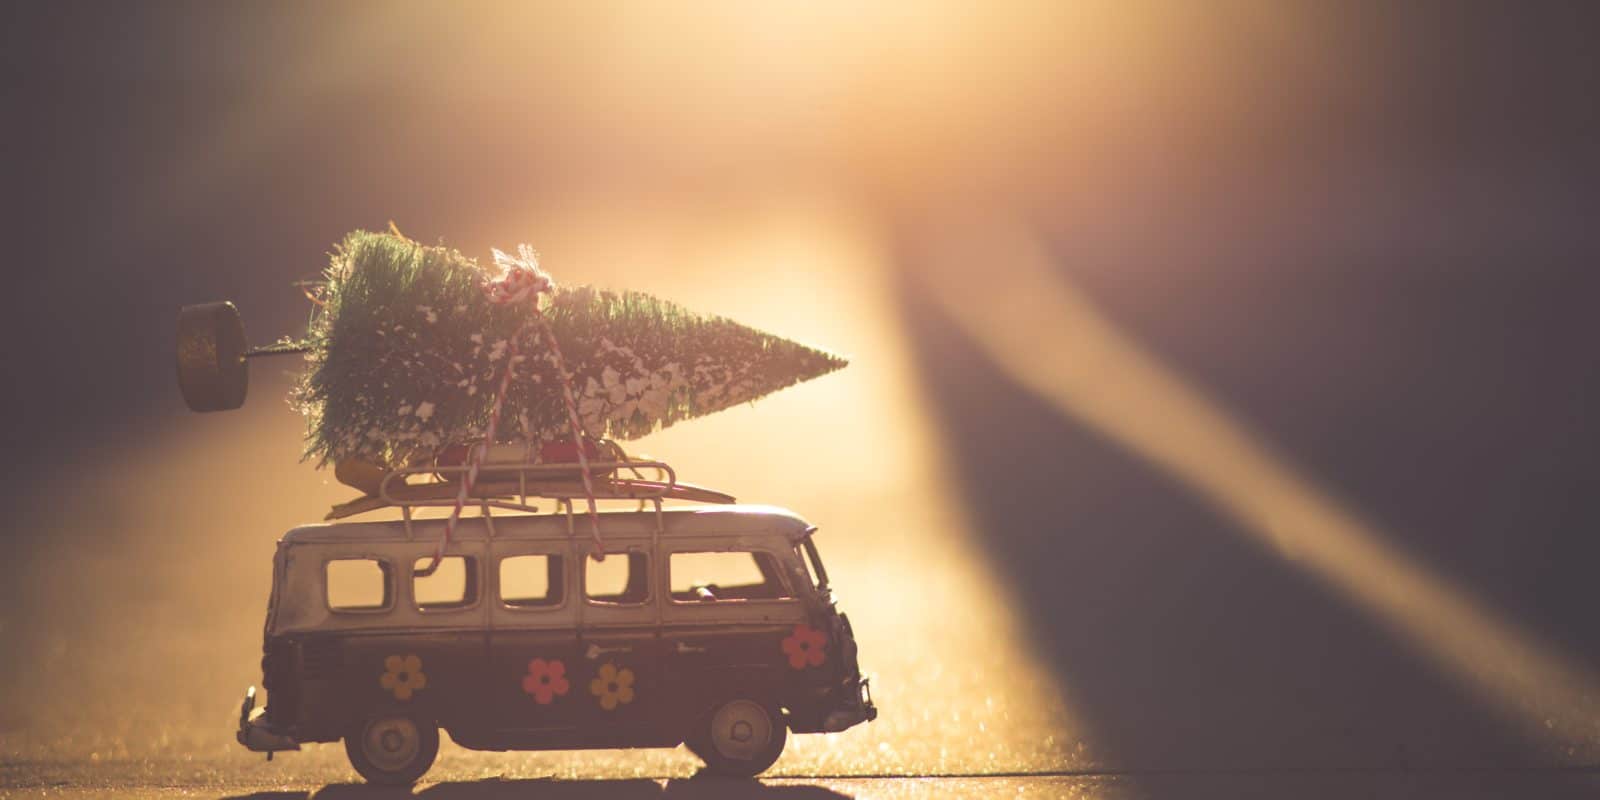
[(1221, 374)]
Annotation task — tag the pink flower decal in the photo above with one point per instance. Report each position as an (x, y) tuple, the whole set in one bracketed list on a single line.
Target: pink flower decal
[(545, 680), (806, 647)]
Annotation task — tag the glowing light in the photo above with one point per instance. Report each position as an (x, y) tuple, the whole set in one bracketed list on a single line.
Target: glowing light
[(1101, 377)]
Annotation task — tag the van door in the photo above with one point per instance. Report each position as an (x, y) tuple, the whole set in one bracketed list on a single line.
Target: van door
[(620, 684), (729, 612), (445, 640), (405, 641), (535, 683)]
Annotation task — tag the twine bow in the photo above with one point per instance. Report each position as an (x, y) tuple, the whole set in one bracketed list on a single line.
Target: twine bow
[(521, 281)]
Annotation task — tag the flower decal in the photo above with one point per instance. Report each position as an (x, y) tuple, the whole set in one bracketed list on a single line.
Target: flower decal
[(545, 680), (403, 676), (806, 647), (613, 686)]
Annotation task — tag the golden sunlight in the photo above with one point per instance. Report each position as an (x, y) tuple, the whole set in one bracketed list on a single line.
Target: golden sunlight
[(1099, 376)]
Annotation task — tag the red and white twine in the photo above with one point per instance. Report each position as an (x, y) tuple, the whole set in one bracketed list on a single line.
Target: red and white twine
[(522, 281)]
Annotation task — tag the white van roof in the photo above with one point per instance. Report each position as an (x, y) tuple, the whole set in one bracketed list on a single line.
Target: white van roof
[(697, 521)]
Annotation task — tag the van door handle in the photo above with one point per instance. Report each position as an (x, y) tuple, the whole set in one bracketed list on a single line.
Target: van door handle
[(685, 649), (595, 651)]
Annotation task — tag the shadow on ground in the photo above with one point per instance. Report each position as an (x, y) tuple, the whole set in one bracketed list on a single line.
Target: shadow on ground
[(635, 789), (1441, 403)]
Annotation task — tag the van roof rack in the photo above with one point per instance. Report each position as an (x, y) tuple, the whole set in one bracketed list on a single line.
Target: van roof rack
[(510, 485)]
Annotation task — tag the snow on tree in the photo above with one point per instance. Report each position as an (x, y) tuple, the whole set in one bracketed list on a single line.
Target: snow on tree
[(406, 354)]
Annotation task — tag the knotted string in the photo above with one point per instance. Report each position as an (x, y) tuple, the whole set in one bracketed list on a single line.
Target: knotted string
[(521, 281)]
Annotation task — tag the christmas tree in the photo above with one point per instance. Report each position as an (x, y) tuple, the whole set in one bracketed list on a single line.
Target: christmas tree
[(406, 353)]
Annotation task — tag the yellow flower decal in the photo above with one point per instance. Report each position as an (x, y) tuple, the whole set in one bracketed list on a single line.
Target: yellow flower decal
[(403, 676), (612, 686)]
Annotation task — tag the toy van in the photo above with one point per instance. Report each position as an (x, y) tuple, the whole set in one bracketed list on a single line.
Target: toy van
[(712, 627)]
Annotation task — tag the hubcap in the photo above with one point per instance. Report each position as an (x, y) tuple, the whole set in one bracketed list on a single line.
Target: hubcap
[(741, 729), (391, 744)]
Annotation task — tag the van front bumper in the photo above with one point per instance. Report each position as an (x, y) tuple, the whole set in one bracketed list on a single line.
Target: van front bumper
[(254, 732), (856, 707)]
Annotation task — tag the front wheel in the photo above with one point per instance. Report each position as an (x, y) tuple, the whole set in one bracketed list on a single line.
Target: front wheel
[(392, 750), (740, 738)]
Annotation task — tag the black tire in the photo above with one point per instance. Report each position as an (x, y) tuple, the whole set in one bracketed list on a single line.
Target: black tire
[(392, 749), (739, 737)]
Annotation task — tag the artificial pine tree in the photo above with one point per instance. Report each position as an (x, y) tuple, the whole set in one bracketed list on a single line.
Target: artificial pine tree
[(406, 354)]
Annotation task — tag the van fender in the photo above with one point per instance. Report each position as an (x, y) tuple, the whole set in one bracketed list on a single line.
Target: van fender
[(717, 684)]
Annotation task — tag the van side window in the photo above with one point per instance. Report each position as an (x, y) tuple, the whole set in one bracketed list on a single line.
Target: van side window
[(358, 584), (531, 581), (453, 585), (727, 575), (621, 579)]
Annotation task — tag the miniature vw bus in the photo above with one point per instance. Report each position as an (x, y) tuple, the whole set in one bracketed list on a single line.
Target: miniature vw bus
[(709, 626)]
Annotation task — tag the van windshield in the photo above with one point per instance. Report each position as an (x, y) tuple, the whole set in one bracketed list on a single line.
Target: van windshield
[(813, 562)]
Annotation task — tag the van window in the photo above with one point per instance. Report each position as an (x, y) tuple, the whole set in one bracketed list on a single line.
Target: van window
[(358, 584), (726, 575), (805, 566), (531, 581), (453, 585), (621, 579)]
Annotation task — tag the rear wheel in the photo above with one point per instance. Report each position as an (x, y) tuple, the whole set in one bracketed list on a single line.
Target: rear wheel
[(392, 749), (740, 737)]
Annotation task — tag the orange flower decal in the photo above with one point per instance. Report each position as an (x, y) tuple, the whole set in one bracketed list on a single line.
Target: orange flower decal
[(545, 680), (613, 686), (806, 647), (403, 676)]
